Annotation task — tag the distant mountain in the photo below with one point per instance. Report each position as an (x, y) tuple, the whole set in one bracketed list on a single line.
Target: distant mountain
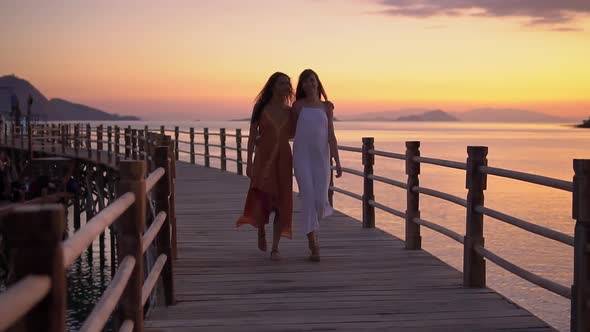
[(384, 115), (506, 115), (22, 89), (65, 110), (436, 115), (54, 109), (405, 115), (477, 115)]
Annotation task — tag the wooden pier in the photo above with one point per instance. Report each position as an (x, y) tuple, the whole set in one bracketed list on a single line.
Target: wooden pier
[(215, 279)]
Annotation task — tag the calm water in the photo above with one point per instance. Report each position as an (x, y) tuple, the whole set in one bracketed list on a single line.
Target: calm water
[(545, 149)]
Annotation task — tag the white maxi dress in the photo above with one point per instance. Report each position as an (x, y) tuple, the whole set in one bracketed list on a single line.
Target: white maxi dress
[(311, 163)]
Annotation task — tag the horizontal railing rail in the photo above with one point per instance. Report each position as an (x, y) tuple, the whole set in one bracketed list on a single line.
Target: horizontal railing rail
[(127, 214)]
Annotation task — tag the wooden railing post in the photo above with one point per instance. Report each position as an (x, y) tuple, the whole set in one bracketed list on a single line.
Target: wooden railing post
[(474, 265), (129, 230), (99, 146), (110, 143), (368, 189), (76, 139), (53, 140), (134, 144), (580, 310), (65, 132), (330, 190), (127, 143), (35, 235), (223, 154), (176, 134), (162, 197), (206, 142), (167, 142), (89, 140), (413, 237), (30, 142), (41, 136), (117, 148), (141, 144), (239, 165), (162, 130), (192, 144)]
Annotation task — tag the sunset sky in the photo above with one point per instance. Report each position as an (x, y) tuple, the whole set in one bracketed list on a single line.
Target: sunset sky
[(209, 59)]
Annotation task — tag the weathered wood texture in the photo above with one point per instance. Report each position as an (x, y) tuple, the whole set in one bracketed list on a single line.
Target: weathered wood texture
[(366, 280)]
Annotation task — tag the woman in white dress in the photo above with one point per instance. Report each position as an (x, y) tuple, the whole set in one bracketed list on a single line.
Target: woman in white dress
[(315, 143)]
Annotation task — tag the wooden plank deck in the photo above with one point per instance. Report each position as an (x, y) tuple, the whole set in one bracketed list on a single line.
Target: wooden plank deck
[(365, 281)]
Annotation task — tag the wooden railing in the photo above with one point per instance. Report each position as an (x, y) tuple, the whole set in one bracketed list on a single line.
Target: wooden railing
[(36, 298), (476, 171)]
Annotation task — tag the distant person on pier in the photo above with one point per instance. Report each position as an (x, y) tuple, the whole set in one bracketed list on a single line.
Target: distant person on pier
[(269, 165), (314, 145)]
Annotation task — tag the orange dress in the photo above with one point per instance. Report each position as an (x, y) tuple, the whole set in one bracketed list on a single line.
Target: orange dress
[(271, 187)]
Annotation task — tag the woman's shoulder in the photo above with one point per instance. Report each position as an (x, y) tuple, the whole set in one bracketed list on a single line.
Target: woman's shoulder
[(328, 105)]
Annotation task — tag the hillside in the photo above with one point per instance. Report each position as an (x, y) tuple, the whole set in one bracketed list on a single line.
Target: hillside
[(55, 109)]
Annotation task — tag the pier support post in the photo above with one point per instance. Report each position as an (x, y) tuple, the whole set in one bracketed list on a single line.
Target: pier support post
[(368, 186), (413, 237), (162, 197), (35, 234), (474, 264), (129, 229), (239, 165), (580, 310)]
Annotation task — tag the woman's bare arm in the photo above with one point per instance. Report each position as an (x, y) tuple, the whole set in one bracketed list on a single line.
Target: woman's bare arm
[(252, 136), (332, 139)]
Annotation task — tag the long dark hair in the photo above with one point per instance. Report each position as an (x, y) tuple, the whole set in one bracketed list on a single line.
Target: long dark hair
[(300, 93), (265, 96)]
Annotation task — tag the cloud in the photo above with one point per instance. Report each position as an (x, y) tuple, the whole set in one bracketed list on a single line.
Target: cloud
[(538, 12)]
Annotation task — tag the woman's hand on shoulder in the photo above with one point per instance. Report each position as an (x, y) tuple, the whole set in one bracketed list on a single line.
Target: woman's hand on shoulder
[(329, 105)]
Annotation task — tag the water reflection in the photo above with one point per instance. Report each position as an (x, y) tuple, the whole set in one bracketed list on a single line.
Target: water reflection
[(87, 278)]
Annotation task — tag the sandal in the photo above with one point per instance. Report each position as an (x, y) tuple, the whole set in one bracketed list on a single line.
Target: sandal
[(275, 255), (262, 241)]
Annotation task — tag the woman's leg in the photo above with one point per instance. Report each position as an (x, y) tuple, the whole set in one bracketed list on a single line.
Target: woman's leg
[(276, 237), (313, 246), (261, 237)]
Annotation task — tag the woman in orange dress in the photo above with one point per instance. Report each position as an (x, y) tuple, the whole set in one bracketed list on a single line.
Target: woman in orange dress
[(270, 171)]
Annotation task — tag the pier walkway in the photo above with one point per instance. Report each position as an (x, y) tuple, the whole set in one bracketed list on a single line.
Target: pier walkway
[(365, 281)]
